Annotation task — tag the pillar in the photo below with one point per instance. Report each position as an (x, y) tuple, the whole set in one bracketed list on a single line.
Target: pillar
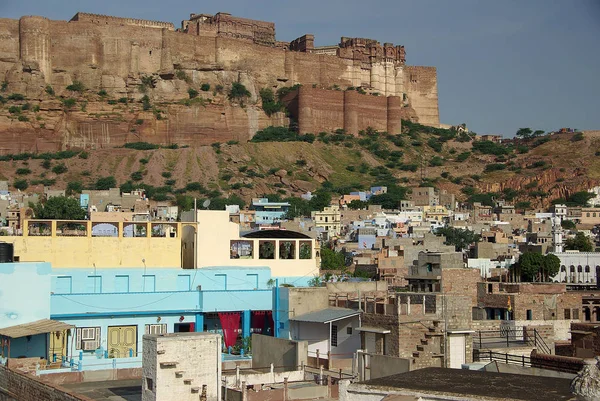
[(199, 326), (246, 323)]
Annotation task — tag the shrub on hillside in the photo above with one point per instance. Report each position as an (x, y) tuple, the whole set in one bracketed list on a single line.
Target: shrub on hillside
[(140, 146)]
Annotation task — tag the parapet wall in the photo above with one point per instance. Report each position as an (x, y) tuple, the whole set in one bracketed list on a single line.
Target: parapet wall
[(107, 19), (321, 110)]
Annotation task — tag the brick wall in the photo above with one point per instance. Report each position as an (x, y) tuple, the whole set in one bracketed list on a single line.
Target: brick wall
[(28, 388), (461, 282)]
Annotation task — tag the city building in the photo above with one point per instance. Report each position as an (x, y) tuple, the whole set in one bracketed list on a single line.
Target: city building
[(267, 212)]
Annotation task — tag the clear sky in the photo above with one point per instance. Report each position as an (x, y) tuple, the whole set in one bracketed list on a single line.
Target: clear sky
[(501, 64)]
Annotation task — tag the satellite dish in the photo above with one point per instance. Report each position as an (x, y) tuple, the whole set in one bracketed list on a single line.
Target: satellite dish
[(206, 204)]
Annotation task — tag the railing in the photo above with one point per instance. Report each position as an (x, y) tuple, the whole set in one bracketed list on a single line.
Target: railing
[(507, 338), (525, 361)]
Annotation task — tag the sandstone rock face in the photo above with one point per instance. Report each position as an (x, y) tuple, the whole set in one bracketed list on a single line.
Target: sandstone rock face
[(128, 58)]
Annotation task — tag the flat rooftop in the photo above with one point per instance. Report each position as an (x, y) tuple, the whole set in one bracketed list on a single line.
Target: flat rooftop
[(483, 385), (114, 390)]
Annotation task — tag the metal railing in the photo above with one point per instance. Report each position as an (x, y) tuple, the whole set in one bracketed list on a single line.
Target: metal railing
[(513, 337), (525, 361)]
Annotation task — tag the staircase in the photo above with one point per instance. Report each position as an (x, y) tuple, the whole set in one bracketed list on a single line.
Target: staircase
[(423, 342)]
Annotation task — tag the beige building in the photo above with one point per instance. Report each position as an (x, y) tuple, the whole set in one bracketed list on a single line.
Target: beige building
[(287, 253), (328, 221), (590, 215)]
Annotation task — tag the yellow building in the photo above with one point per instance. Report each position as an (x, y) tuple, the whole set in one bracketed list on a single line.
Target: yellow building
[(437, 213), (328, 221), (77, 244)]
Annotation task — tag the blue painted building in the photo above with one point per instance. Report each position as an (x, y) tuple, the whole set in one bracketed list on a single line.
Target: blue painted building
[(113, 308), (269, 212)]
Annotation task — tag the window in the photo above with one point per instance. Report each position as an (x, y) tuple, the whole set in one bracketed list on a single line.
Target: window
[(576, 314), (490, 288), (87, 338), (349, 331), (149, 384), (334, 336), (587, 269), (567, 313), (529, 314), (156, 329)]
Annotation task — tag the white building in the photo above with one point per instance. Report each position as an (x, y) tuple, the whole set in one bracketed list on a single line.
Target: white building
[(181, 367), (577, 267)]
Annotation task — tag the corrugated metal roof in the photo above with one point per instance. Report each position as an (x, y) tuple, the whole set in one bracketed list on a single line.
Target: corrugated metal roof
[(31, 329), (326, 315)]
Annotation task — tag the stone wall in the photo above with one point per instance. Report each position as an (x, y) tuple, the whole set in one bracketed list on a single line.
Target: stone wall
[(23, 387), (420, 84), (320, 110)]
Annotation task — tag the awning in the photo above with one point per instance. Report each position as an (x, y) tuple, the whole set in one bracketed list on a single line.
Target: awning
[(326, 315), (31, 329), (377, 330)]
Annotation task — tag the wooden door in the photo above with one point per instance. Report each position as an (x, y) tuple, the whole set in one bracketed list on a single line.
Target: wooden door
[(121, 339), (57, 345)]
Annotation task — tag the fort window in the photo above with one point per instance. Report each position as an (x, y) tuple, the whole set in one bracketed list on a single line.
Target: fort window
[(241, 250), (587, 269), (576, 314), (287, 250), (529, 314), (305, 250), (490, 288), (579, 269), (266, 250)]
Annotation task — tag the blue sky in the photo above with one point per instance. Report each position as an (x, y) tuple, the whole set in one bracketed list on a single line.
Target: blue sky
[(501, 64)]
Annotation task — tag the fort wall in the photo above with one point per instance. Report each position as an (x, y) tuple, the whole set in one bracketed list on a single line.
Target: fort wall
[(320, 110), (113, 54)]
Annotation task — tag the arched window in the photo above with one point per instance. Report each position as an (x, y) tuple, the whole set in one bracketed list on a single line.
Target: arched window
[(579, 269), (587, 269), (563, 269), (572, 269)]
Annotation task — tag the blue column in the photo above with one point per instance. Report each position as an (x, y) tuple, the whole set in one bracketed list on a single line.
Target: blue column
[(199, 322), (246, 323), (276, 309)]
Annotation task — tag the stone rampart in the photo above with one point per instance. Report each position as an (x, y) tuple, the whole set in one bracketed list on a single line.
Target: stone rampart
[(107, 19), (321, 110)]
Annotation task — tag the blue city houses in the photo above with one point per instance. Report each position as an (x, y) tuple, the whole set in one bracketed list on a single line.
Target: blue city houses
[(111, 309), (269, 212)]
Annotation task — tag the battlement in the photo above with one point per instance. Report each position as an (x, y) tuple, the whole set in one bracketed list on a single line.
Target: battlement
[(224, 24), (108, 20)]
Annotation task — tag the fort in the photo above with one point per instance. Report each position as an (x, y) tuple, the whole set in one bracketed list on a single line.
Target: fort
[(113, 54)]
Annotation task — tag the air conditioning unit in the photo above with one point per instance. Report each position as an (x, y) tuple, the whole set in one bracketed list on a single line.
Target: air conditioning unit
[(90, 345)]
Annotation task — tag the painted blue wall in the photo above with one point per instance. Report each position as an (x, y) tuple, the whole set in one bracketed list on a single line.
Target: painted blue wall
[(29, 347), (24, 289)]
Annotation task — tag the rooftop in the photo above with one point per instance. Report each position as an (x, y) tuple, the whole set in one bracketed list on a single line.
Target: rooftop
[(483, 385), (326, 315)]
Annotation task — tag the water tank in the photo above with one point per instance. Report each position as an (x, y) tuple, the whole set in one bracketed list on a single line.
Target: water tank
[(7, 252)]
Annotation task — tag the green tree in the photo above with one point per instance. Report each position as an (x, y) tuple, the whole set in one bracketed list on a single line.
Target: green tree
[(551, 267), (461, 239), (298, 208), (568, 225), (105, 183), (580, 243), (331, 260), (358, 204), (529, 266), (320, 200), (59, 208), (524, 133), (580, 198)]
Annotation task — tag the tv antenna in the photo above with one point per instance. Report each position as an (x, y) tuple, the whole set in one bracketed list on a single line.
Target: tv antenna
[(206, 204)]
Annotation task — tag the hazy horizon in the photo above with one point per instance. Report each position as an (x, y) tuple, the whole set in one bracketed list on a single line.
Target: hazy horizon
[(501, 65)]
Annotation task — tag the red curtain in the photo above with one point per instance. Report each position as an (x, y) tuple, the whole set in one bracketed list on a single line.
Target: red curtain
[(258, 321), (270, 325), (230, 323)]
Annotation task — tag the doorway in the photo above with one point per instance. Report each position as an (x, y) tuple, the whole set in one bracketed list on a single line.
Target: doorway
[(184, 328)]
